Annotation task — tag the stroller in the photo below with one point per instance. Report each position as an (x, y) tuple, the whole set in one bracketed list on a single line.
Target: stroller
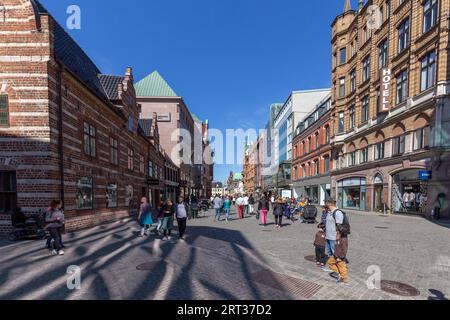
[(27, 227), (310, 214)]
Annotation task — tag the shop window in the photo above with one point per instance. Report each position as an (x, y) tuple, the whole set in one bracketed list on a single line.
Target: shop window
[(8, 191), (128, 195), (111, 195), (352, 193), (84, 194)]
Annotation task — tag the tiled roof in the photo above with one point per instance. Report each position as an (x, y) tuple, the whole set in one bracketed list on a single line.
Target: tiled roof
[(154, 85), (146, 126), (110, 84)]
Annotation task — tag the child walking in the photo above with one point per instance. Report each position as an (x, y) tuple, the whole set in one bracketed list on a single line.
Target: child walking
[(320, 243), (337, 262)]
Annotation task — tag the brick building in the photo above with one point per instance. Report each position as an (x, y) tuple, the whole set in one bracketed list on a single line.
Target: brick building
[(311, 154), (156, 96), (66, 131), (390, 106)]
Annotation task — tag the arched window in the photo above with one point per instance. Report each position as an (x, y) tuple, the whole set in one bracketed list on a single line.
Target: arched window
[(378, 179), (422, 134), (398, 142)]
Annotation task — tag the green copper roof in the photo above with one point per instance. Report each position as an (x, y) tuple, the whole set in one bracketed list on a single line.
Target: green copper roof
[(154, 86), (196, 119), (237, 177)]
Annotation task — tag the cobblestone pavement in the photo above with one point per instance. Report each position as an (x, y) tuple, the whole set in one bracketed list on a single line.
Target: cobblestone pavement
[(236, 260)]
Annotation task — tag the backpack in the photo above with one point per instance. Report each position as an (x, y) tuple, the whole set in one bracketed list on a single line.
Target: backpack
[(344, 228)]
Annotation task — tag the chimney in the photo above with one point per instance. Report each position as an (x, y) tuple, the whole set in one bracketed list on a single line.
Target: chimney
[(347, 6)]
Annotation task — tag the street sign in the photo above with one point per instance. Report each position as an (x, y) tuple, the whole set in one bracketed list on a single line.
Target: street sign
[(425, 175)]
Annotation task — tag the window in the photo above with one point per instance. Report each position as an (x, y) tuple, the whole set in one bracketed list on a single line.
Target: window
[(422, 138), (430, 12), (150, 168), (84, 194), (352, 117), (141, 164), (341, 122), (403, 36), (327, 135), (402, 86), (364, 155), (342, 56), (131, 123), (89, 140), (4, 111), (365, 109), (309, 144), (111, 195), (303, 148), (130, 159), (326, 165), (129, 195), (388, 9), (383, 54), (316, 140), (341, 87), (366, 68), (379, 151), (352, 158), (334, 60), (8, 191), (353, 80), (316, 167), (113, 146), (428, 71), (398, 146)]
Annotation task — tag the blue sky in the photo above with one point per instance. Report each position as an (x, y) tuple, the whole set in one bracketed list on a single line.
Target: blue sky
[(228, 59)]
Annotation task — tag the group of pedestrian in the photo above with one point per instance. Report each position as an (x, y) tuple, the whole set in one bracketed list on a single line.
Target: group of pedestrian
[(331, 242), (245, 205), (166, 214)]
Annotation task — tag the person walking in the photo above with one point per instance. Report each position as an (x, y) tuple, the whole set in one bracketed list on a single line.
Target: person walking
[(168, 210), (182, 210), (145, 216), (251, 204), (335, 217), (195, 207), (54, 219), (240, 206), (278, 211), (263, 209), (227, 208), (246, 205), (218, 203)]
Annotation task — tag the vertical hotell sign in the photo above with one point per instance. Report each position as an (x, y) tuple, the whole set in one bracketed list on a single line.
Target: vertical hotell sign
[(385, 104)]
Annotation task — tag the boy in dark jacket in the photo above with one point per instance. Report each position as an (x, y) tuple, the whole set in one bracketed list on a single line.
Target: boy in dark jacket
[(320, 243), (337, 261)]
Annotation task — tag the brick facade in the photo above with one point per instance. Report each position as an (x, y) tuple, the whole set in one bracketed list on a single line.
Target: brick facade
[(52, 99), (358, 136)]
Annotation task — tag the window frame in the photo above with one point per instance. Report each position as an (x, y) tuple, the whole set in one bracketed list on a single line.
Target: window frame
[(91, 139), (11, 194), (428, 64), (5, 110)]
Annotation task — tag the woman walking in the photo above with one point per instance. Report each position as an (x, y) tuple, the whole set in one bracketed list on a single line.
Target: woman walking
[(227, 208), (278, 211), (168, 212), (54, 219), (251, 204), (263, 208), (145, 217), (181, 213)]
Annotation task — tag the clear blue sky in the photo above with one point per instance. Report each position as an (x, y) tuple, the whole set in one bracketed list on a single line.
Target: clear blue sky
[(229, 59)]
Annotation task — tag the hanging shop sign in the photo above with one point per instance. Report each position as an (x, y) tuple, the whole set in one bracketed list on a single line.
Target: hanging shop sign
[(386, 76)]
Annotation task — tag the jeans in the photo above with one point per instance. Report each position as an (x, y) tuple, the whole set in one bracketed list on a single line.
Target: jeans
[(331, 244), (218, 214), (247, 208), (182, 226), (55, 234), (321, 257), (227, 213), (278, 220)]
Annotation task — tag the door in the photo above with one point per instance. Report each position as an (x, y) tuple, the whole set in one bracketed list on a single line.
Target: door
[(378, 198)]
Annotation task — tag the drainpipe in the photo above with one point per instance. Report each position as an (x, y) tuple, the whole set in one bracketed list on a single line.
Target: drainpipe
[(60, 131)]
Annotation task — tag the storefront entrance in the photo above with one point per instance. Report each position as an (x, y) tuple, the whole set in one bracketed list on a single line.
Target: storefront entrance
[(352, 194), (409, 194), (378, 188)]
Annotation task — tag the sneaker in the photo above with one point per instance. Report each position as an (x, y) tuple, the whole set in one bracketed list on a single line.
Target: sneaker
[(342, 282), (326, 269), (54, 253), (335, 276), (61, 252)]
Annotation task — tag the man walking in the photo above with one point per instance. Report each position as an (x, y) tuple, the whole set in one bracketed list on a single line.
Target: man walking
[(246, 204), (218, 203), (335, 217), (240, 206)]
